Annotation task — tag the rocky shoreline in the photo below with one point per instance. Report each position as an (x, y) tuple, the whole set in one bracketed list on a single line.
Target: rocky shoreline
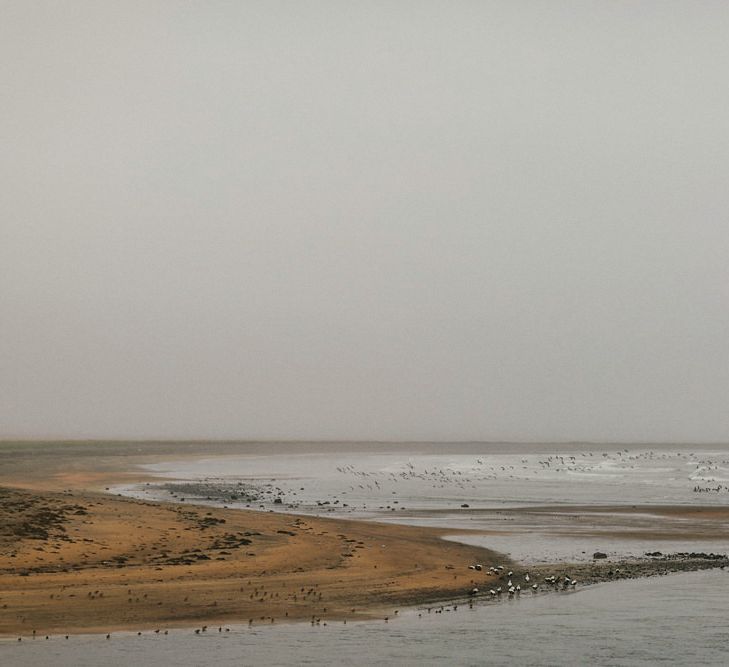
[(633, 568), (514, 580)]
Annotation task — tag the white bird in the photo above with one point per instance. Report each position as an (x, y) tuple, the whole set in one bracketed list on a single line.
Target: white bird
[(527, 578)]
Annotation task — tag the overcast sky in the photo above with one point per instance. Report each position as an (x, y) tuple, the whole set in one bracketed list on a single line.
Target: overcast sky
[(365, 220)]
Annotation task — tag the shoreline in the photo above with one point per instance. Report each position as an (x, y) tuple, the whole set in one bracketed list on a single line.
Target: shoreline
[(140, 565), (135, 565), (77, 560)]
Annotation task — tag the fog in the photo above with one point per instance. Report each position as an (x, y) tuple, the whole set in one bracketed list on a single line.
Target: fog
[(377, 220)]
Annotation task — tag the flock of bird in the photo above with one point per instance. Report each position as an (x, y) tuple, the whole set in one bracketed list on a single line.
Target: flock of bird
[(369, 482), (369, 485), (512, 588)]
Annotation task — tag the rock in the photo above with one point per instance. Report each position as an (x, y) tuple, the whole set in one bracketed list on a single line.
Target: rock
[(465, 505), (599, 554)]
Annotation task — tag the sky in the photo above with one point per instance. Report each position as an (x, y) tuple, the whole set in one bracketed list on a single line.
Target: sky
[(365, 220)]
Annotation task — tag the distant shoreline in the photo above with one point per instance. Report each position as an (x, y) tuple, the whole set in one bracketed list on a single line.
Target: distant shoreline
[(344, 441)]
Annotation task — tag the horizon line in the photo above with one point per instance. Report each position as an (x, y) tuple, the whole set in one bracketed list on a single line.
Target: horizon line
[(35, 440)]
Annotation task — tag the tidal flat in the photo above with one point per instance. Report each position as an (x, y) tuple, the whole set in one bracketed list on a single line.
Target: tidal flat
[(149, 538)]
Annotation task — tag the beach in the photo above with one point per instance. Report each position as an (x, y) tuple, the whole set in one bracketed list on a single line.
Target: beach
[(77, 557), (87, 562)]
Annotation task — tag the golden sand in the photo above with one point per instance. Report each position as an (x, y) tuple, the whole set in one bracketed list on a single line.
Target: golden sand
[(86, 561)]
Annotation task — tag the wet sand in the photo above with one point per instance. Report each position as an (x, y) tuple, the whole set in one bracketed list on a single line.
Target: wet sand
[(664, 523)]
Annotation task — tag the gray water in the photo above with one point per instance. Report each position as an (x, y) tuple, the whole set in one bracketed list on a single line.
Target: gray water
[(678, 619)]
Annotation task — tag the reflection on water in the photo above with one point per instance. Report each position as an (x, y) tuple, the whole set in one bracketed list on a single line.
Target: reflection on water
[(678, 619)]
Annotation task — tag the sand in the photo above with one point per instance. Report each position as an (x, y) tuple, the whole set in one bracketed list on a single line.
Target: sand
[(82, 561)]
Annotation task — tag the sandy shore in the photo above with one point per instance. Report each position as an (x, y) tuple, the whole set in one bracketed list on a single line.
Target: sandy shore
[(75, 559), (84, 561)]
